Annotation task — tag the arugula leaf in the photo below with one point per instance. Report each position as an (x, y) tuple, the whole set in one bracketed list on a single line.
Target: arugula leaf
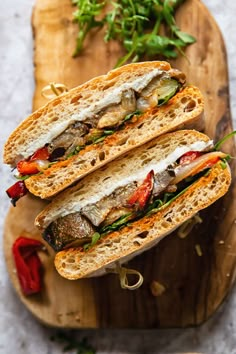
[(168, 202), (185, 37), (117, 224), (225, 160), (136, 24), (129, 116), (22, 178), (75, 151), (85, 16), (225, 138), (96, 236)]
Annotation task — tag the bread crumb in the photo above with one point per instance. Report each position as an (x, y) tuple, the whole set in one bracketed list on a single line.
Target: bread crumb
[(157, 289), (221, 242)]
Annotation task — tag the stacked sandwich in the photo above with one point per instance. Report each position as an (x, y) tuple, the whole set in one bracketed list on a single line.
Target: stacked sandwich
[(120, 172)]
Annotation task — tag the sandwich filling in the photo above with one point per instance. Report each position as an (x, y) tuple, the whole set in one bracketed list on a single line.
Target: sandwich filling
[(128, 202), (96, 127)]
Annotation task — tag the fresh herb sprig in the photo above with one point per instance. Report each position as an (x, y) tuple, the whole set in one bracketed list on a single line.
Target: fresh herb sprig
[(224, 139), (137, 24), (86, 17)]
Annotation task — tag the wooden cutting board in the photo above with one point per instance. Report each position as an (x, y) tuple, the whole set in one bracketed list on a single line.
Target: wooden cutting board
[(194, 285)]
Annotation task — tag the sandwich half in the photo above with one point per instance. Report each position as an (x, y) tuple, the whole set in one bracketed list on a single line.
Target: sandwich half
[(96, 122), (130, 204)]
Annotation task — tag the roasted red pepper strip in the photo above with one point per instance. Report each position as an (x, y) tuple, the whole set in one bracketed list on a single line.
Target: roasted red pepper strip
[(27, 167), (28, 264), (16, 191), (208, 164), (142, 194), (189, 157), (30, 166), (41, 154)]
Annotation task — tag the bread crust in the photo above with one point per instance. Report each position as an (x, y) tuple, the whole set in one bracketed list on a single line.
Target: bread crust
[(145, 233), (185, 109)]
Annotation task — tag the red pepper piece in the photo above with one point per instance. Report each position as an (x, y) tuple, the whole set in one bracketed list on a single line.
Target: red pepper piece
[(208, 164), (16, 191), (27, 167), (28, 264), (189, 157), (142, 194), (30, 166), (41, 154)]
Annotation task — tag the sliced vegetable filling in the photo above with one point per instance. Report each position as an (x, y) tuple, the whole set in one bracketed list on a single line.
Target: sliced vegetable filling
[(129, 203), (95, 129)]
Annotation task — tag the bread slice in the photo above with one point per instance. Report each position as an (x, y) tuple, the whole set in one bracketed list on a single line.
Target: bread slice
[(84, 102), (120, 246), (185, 109), (156, 154)]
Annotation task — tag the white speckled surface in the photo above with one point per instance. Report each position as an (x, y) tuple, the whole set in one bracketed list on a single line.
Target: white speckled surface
[(20, 333)]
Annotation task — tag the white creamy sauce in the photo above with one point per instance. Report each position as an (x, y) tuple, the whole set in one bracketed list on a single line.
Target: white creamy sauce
[(108, 186), (113, 97)]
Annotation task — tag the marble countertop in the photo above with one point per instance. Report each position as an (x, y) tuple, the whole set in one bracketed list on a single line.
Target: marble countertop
[(20, 332)]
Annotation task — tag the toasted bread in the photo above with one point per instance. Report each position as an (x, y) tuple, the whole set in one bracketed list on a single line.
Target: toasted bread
[(184, 109)]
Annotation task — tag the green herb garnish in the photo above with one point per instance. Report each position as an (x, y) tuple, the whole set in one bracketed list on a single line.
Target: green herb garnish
[(86, 17), (23, 178), (224, 161), (76, 150), (122, 221), (130, 115), (96, 236), (136, 24), (223, 140)]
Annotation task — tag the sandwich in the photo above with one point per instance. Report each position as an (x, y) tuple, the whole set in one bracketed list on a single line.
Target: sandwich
[(94, 123), (130, 204)]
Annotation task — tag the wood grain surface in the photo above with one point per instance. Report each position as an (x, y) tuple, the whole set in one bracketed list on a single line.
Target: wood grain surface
[(194, 286)]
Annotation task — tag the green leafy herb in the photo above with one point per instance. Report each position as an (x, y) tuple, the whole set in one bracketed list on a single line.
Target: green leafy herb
[(71, 343), (137, 24), (117, 224), (169, 198), (22, 178), (223, 140), (108, 132), (129, 116), (85, 16), (99, 140), (75, 151), (156, 204), (225, 160), (96, 236), (122, 221)]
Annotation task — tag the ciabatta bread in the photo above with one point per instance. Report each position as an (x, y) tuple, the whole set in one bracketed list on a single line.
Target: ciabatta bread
[(143, 234), (157, 155), (184, 109)]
